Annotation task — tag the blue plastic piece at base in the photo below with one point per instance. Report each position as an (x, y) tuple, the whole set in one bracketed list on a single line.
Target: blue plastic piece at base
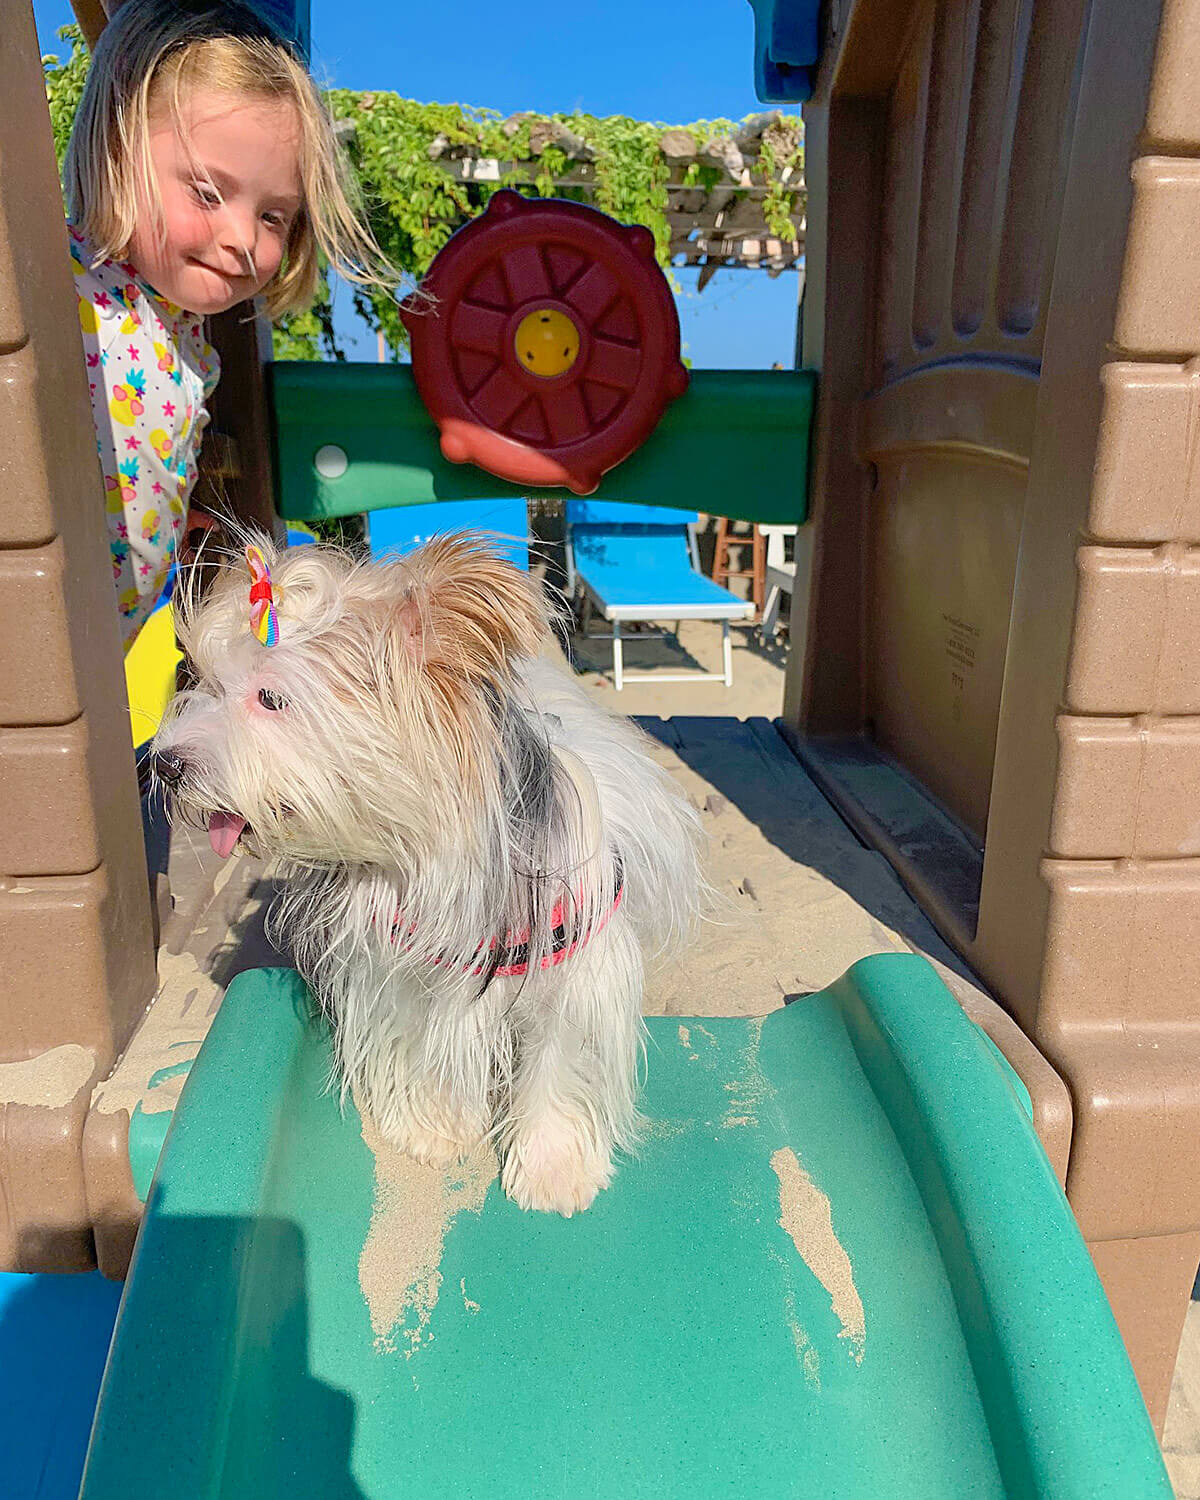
[(787, 45), (54, 1338)]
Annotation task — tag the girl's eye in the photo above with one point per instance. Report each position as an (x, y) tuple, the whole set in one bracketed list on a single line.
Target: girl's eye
[(206, 194), (271, 700), (275, 221)]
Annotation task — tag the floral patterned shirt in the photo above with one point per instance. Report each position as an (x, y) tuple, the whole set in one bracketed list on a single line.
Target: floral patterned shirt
[(150, 373)]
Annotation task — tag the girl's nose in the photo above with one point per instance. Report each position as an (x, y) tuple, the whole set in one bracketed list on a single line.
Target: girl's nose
[(236, 237)]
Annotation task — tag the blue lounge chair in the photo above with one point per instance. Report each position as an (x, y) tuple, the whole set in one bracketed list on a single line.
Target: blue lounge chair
[(403, 528), (639, 563)]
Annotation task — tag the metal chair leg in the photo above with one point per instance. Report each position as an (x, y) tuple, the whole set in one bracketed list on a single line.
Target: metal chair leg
[(770, 615), (618, 664)]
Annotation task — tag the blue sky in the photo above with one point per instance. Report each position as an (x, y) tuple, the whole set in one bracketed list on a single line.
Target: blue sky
[(673, 60)]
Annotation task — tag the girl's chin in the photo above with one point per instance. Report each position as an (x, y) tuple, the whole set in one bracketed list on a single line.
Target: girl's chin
[(206, 292), (208, 295)]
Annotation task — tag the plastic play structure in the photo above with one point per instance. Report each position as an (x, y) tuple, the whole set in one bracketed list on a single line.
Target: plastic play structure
[(545, 342), (845, 1264), (634, 1357)]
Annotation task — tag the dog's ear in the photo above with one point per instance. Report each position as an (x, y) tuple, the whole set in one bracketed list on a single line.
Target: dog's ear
[(469, 611)]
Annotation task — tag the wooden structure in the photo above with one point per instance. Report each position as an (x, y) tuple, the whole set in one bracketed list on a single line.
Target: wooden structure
[(713, 227)]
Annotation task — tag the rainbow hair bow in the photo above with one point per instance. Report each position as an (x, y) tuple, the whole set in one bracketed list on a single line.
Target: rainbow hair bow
[(264, 621)]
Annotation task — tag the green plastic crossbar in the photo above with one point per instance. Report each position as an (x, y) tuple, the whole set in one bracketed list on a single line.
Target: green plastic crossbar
[(735, 445)]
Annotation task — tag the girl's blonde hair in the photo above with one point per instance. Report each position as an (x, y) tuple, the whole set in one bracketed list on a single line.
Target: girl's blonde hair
[(149, 57)]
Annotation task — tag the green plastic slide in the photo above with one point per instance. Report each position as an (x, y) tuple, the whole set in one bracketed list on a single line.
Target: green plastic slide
[(840, 1267)]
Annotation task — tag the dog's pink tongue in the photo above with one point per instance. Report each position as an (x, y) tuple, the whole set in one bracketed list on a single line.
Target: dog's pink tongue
[(223, 831)]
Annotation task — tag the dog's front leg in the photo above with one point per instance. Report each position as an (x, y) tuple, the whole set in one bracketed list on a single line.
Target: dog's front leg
[(574, 1090), (429, 1089)]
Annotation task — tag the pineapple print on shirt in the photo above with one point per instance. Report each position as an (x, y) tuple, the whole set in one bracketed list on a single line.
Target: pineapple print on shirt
[(150, 373)]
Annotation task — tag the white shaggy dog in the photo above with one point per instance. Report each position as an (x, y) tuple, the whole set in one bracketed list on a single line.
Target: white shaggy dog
[(476, 855)]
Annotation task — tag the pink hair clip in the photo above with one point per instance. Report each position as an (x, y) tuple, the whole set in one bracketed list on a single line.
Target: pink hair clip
[(264, 621)]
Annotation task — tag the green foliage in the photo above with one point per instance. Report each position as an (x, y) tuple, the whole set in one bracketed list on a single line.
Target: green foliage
[(349, 532), (412, 204), (401, 151), (776, 158), (309, 335), (64, 85)]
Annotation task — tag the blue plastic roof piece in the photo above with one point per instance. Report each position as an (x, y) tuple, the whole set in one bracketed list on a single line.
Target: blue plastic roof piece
[(787, 44), (291, 19)]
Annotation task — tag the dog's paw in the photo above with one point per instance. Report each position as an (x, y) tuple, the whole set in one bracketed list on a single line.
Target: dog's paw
[(433, 1133), (555, 1166), (430, 1148)]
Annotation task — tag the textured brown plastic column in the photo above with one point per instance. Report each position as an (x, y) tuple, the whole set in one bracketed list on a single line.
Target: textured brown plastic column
[(76, 946), (235, 479), (92, 16), (1006, 581)]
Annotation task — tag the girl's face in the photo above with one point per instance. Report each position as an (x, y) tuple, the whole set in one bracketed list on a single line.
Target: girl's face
[(229, 178)]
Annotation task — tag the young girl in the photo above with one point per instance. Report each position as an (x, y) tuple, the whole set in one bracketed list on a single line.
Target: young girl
[(202, 171)]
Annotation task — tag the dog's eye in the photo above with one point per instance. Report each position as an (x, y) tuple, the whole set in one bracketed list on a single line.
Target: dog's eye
[(271, 700)]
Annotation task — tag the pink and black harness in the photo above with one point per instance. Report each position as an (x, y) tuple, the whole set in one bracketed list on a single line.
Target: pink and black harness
[(508, 957)]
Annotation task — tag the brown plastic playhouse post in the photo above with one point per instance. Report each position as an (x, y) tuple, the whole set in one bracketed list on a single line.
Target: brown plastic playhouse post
[(92, 16), (1004, 303), (235, 480), (235, 464), (76, 940)]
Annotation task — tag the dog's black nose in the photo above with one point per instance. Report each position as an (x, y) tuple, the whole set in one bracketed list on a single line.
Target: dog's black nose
[(168, 767)]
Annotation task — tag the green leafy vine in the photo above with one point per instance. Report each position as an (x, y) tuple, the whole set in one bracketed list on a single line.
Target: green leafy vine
[(424, 169)]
